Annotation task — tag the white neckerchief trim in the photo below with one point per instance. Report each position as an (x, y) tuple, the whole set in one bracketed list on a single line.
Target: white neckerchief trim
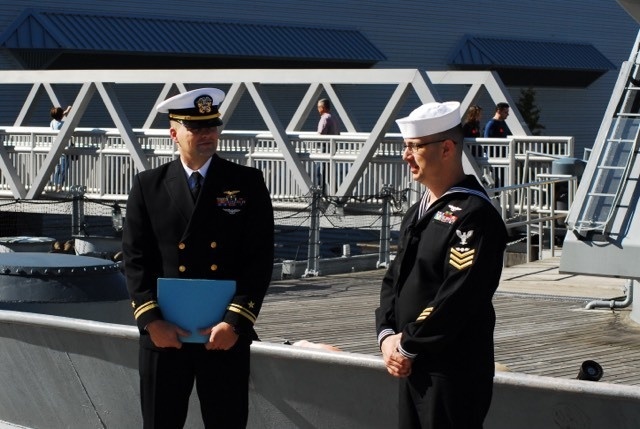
[(468, 191), (424, 202)]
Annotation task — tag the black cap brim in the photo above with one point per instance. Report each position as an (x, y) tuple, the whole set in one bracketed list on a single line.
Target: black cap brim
[(208, 123)]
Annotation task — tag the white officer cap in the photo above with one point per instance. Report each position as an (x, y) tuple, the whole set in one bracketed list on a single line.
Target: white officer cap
[(429, 119), (194, 109)]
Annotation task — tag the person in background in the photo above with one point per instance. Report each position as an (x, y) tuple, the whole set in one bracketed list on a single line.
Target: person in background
[(69, 247), (57, 116), (197, 217), (60, 173), (471, 127), (471, 122), (56, 247), (497, 127), (327, 125), (436, 320)]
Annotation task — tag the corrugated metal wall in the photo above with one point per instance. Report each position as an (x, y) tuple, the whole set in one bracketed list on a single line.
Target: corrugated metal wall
[(412, 35)]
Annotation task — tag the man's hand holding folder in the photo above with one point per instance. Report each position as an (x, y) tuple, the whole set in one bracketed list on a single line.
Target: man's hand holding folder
[(165, 334), (193, 309), (221, 337)]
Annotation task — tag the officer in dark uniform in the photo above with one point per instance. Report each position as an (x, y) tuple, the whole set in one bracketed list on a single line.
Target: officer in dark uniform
[(224, 230), (435, 321)]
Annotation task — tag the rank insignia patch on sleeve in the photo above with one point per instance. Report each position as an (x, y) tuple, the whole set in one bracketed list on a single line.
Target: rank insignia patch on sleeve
[(425, 313), (464, 236), (461, 257)]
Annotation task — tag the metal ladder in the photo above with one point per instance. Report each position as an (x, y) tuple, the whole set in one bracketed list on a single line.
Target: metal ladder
[(616, 155)]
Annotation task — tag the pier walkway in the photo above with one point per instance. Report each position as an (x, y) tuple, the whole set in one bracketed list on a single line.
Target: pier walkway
[(542, 326)]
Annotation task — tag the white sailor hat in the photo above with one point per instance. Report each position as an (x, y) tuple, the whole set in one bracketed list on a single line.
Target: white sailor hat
[(429, 119), (194, 109)]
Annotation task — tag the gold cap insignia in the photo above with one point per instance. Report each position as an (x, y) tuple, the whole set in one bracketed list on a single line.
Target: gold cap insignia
[(204, 104)]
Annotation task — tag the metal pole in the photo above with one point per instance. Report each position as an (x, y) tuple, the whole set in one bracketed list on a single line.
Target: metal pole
[(313, 253), (77, 211), (384, 256)]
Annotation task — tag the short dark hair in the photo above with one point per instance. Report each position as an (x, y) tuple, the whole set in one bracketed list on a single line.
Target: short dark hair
[(456, 134), (57, 113), (502, 105), (325, 102)]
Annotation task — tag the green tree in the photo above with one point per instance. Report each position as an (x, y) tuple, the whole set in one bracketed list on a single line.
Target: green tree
[(529, 111)]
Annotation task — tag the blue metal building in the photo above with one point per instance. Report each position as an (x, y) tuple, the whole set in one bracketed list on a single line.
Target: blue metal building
[(568, 52)]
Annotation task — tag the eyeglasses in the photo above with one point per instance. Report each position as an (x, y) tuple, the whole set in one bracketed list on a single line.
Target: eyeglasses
[(413, 147)]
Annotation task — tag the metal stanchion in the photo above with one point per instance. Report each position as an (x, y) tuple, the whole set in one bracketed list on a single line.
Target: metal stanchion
[(313, 254), (77, 211), (384, 256)]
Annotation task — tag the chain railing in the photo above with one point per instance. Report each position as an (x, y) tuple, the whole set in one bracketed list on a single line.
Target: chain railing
[(324, 228)]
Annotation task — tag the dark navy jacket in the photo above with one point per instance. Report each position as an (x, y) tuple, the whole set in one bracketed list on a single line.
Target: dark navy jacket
[(227, 234), (438, 289)]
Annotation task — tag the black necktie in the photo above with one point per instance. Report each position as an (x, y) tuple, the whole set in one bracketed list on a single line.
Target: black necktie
[(195, 183)]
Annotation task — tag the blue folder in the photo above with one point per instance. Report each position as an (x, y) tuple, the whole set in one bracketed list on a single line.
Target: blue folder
[(194, 304)]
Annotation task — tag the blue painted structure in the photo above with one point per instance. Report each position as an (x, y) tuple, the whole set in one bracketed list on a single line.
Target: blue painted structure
[(56, 30), (421, 35), (545, 62)]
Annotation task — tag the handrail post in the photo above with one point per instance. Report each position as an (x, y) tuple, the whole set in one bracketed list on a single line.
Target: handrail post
[(313, 253), (528, 217), (77, 211), (384, 255), (552, 234), (332, 170)]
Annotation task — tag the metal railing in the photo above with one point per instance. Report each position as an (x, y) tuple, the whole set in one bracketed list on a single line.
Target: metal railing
[(101, 162), (538, 219)]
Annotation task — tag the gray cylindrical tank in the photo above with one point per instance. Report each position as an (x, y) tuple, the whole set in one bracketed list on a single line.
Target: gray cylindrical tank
[(26, 244), (64, 285), (570, 166)]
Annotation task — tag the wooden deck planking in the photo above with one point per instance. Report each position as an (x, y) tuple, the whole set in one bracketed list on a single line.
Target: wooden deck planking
[(536, 333)]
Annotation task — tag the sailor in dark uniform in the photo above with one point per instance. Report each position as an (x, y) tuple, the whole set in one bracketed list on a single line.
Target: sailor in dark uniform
[(435, 321), (224, 230)]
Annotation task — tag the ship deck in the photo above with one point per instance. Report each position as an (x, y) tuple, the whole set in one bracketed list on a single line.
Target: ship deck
[(542, 325)]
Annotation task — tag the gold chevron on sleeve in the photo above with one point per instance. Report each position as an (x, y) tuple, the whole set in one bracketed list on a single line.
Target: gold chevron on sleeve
[(242, 311), (425, 313), (144, 308), (461, 258)]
